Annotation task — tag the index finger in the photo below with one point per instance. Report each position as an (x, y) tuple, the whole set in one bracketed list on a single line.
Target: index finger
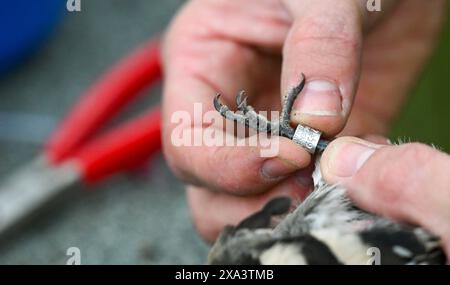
[(196, 68)]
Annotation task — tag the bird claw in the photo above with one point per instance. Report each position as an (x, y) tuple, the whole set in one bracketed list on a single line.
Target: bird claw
[(256, 121), (241, 102), (221, 108)]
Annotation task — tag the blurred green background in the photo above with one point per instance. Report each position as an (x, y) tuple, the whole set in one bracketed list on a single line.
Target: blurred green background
[(426, 116)]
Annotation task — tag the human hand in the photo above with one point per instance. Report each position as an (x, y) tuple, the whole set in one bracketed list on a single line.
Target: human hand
[(408, 183), (228, 46)]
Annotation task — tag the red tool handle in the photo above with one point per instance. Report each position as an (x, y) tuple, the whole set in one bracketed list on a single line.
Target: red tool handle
[(104, 99), (120, 149)]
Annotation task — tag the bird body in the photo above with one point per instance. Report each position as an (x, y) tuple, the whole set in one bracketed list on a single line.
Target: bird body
[(326, 228)]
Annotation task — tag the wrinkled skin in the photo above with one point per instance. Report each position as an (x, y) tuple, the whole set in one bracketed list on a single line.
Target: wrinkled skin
[(210, 46)]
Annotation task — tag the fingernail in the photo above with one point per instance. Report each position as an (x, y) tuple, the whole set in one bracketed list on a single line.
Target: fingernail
[(319, 98), (347, 158), (276, 168)]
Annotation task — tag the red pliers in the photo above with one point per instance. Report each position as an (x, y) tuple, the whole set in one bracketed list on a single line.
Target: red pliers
[(73, 154)]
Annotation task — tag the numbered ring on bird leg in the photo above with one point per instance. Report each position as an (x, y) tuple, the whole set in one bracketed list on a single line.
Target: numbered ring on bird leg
[(307, 137)]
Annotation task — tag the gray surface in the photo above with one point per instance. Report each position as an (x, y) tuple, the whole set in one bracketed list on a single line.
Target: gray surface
[(128, 219)]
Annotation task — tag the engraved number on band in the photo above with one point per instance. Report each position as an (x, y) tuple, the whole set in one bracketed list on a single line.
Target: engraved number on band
[(307, 138)]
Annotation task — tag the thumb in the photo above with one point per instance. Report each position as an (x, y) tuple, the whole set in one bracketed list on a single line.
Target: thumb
[(408, 182), (324, 43)]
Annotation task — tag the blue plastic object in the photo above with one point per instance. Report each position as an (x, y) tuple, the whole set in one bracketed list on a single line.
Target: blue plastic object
[(24, 26)]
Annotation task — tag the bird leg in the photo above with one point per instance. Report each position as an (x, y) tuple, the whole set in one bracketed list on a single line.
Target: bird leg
[(250, 118)]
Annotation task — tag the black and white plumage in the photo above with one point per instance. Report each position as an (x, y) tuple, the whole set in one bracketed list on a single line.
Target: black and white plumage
[(326, 228)]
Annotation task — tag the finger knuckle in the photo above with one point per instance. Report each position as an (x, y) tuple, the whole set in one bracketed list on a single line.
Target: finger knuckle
[(319, 29), (171, 160), (177, 164), (395, 180), (416, 153), (390, 183)]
